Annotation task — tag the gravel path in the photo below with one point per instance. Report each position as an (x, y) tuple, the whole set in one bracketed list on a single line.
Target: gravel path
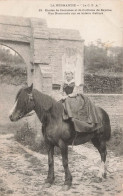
[(22, 172)]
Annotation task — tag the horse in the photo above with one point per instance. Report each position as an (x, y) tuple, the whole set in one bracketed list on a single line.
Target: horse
[(59, 132)]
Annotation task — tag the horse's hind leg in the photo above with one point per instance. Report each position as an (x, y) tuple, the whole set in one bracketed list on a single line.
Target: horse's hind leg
[(100, 144), (64, 153)]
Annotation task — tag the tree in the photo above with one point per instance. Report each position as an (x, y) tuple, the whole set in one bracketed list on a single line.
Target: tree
[(100, 56)]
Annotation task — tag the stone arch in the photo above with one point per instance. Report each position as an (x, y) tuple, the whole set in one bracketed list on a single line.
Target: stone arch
[(23, 50)]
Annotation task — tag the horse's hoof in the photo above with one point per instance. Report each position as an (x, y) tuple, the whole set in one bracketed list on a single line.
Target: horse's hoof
[(99, 177), (47, 185), (65, 187)]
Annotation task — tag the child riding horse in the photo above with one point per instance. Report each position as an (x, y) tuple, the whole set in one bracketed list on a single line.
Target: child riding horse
[(60, 132)]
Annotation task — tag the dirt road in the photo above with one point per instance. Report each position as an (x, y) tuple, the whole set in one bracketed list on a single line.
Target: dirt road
[(22, 172)]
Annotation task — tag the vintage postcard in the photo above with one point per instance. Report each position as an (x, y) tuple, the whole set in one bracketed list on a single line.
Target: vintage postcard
[(61, 97)]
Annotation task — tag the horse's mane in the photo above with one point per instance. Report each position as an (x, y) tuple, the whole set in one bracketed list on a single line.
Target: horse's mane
[(48, 103)]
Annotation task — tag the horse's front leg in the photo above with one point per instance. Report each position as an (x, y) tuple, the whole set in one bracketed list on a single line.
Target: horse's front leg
[(68, 176), (50, 177)]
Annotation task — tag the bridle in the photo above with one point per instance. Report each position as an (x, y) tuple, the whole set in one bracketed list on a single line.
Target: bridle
[(30, 100), (30, 97)]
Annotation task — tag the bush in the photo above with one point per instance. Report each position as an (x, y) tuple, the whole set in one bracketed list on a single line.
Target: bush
[(26, 136), (102, 84), (13, 75)]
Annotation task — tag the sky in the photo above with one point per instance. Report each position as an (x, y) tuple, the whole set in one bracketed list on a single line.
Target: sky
[(107, 27)]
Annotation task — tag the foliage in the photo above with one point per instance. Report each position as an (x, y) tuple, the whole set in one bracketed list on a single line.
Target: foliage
[(12, 67), (101, 56), (13, 75), (102, 84), (103, 68), (8, 57), (26, 136)]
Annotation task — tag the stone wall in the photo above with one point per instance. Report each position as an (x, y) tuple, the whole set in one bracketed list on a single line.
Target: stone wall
[(113, 105)]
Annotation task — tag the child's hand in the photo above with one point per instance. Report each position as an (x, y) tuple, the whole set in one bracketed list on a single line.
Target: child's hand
[(72, 95), (64, 97)]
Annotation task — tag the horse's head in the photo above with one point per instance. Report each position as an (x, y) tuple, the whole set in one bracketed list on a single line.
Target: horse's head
[(24, 104)]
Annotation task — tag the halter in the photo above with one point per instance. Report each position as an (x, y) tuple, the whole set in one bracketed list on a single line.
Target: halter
[(31, 99)]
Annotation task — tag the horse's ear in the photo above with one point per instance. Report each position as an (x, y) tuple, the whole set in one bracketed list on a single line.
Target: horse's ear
[(29, 89)]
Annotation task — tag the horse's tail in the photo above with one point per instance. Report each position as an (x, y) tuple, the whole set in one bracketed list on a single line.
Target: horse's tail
[(106, 125)]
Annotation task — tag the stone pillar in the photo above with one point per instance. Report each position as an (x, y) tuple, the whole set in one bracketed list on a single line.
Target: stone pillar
[(46, 75)]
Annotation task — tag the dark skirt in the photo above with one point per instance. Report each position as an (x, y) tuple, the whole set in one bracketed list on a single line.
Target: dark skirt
[(82, 112)]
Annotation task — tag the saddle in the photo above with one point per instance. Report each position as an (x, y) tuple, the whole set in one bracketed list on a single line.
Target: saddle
[(84, 114)]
